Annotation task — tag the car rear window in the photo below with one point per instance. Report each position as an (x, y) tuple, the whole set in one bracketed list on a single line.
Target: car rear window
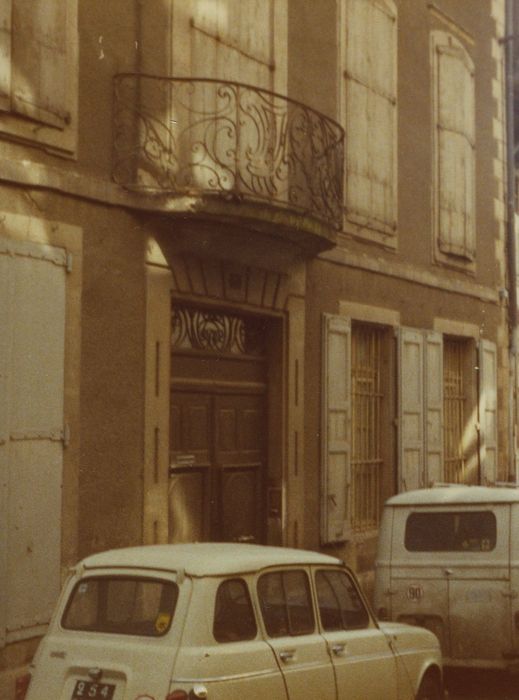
[(121, 605), (451, 531)]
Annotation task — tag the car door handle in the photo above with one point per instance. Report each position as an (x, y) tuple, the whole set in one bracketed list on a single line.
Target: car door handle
[(338, 649), (286, 655)]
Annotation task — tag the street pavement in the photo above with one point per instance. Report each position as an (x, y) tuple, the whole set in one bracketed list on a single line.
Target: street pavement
[(481, 685)]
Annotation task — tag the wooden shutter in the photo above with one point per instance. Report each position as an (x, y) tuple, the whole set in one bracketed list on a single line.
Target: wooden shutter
[(233, 41), (456, 160), (39, 89), (371, 45), (433, 375), (488, 411), (5, 54), (336, 429), (31, 433), (411, 462)]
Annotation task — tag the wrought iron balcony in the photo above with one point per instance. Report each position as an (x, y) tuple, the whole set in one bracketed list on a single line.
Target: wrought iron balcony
[(207, 138)]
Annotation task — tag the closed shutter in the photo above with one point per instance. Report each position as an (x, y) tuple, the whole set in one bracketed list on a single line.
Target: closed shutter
[(488, 411), (233, 41), (31, 433), (336, 429), (370, 104), (5, 54), (39, 89), (433, 407), (411, 461), (456, 160)]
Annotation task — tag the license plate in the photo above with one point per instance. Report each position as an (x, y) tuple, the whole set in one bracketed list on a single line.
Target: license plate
[(90, 690)]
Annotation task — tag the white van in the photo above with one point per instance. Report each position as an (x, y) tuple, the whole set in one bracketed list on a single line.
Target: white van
[(448, 560)]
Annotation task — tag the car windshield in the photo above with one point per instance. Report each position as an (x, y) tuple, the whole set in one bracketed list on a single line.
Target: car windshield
[(121, 605)]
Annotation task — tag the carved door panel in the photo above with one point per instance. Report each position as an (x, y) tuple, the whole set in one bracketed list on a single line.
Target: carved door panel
[(239, 449), (218, 443), (190, 462)]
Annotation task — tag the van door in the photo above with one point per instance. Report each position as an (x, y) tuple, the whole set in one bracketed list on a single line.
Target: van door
[(418, 590), (479, 586)]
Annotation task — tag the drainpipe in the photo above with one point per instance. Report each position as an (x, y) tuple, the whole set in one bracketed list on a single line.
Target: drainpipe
[(511, 244)]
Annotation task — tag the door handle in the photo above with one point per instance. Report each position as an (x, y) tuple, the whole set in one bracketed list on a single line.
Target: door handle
[(338, 649), (286, 655), (448, 572)]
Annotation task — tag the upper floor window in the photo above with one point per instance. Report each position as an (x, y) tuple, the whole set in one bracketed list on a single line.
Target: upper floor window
[(369, 107), (38, 70), (454, 141)]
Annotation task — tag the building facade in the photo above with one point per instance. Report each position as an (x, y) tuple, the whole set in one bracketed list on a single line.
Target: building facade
[(253, 275)]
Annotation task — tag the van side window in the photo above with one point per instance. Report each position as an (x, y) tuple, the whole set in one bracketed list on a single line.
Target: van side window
[(340, 605), (451, 531), (234, 619), (286, 604)]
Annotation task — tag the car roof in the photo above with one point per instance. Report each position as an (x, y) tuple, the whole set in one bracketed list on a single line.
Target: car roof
[(205, 559), (456, 494)]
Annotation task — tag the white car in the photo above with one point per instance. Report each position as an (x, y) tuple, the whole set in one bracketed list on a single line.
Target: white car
[(226, 621)]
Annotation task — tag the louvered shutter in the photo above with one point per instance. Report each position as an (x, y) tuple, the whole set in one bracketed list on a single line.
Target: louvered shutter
[(336, 429), (38, 87), (411, 464), (31, 424), (5, 54), (456, 160), (488, 411), (433, 373), (371, 45)]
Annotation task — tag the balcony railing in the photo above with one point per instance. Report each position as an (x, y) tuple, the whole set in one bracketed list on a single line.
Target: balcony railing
[(204, 137)]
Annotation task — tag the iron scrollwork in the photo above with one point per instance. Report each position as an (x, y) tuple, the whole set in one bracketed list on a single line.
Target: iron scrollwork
[(197, 329), (195, 136)]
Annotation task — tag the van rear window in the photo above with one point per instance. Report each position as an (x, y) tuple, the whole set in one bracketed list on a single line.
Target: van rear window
[(451, 531), (121, 605)]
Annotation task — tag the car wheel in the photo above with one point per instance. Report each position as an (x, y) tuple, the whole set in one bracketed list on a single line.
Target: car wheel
[(429, 689)]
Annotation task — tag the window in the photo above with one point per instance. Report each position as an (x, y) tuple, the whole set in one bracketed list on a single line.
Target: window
[(286, 604), (447, 427), (357, 429), (469, 531), (369, 89), (121, 605), (233, 614), (367, 398), (454, 407), (454, 140), (38, 69), (340, 605)]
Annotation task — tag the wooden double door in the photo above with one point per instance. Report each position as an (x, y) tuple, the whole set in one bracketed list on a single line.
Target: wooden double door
[(218, 448)]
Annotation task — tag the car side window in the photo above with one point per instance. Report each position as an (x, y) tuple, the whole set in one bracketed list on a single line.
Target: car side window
[(234, 619), (340, 605), (286, 603)]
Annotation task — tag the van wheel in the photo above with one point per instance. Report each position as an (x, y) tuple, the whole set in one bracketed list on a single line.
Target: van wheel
[(429, 689)]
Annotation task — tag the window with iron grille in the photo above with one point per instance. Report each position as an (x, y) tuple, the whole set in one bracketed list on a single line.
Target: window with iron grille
[(367, 398), (454, 408)]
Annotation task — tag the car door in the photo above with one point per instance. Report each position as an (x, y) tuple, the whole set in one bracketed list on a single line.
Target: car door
[(286, 605), (364, 664)]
